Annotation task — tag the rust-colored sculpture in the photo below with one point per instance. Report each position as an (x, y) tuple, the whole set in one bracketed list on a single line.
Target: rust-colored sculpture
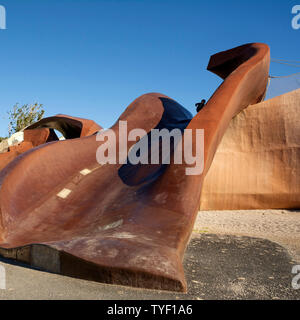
[(257, 163), (43, 132), (64, 212)]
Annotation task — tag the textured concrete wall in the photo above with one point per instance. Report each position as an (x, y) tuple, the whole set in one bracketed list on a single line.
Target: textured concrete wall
[(257, 165)]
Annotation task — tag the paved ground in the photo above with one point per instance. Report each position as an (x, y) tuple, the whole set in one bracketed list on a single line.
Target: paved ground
[(232, 255)]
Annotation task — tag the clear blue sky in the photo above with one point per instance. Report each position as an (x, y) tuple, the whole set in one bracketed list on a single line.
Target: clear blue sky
[(91, 58)]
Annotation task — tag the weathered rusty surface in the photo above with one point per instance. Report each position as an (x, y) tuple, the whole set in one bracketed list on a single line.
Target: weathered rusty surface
[(68, 214), (257, 165), (43, 132), (32, 138)]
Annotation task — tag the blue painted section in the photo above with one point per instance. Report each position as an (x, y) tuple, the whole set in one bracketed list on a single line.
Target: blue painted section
[(175, 116)]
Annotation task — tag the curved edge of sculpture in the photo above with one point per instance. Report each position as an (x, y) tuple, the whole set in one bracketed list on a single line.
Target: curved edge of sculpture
[(70, 127), (63, 212), (42, 132)]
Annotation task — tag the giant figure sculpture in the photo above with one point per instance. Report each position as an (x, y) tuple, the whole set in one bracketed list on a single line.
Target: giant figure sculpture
[(64, 212)]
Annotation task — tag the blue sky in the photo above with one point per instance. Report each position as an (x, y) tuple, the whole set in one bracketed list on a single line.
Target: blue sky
[(91, 58)]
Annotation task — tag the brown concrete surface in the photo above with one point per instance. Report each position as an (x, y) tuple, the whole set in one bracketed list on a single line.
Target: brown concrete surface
[(231, 255), (257, 165)]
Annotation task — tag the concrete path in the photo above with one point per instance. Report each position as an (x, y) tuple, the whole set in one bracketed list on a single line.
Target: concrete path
[(231, 255)]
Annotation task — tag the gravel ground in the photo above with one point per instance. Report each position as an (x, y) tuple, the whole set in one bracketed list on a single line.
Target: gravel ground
[(280, 226)]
